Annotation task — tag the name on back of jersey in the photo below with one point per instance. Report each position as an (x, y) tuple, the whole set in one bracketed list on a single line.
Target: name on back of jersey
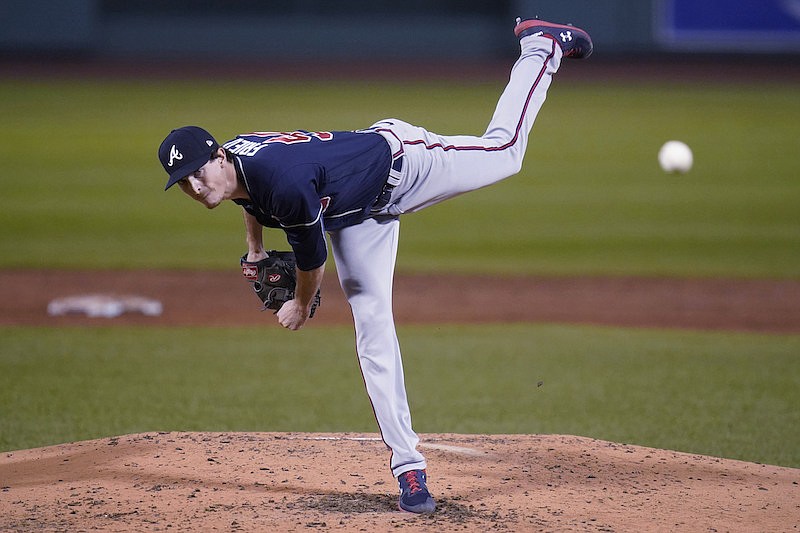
[(243, 147), (248, 148)]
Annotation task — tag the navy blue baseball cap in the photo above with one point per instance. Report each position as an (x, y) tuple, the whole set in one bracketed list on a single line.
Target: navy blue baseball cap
[(185, 150)]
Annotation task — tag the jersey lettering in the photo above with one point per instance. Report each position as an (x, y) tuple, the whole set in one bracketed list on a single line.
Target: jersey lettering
[(243, 147), (291, 137), (325, 201), (248, 148)]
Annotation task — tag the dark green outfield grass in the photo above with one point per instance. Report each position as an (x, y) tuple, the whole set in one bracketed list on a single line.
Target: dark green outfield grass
[(84, 186)]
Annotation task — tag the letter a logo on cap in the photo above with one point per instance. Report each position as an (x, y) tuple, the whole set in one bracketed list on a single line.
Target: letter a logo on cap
[(174, 154)]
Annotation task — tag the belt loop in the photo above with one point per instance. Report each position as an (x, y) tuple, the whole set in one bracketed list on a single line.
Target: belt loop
[(392, 181), (395, 171)]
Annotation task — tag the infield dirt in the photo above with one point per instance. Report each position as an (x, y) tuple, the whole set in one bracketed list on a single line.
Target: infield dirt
[(196, 298), (307, 482)]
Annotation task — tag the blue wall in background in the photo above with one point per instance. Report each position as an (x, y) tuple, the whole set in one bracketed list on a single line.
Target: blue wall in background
[(725, 25)]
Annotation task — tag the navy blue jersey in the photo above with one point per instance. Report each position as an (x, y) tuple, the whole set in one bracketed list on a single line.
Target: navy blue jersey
[(310, 182)]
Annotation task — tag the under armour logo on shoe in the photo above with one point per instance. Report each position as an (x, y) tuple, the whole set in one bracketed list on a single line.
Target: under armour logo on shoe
[(174, 154), (566, 36)]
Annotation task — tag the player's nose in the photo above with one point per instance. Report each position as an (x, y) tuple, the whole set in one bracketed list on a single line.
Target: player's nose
[(194, 184)]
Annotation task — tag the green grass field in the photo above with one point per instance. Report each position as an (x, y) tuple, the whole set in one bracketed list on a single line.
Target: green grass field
[(730, 395), (82, 187)]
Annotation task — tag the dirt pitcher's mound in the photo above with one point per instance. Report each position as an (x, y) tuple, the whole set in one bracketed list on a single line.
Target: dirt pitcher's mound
[(302, 482)]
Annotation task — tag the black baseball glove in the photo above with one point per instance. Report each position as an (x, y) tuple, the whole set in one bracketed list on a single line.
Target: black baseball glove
[(274, 279)]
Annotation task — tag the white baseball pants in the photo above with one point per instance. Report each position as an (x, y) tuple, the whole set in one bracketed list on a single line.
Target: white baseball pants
[(435, 168)]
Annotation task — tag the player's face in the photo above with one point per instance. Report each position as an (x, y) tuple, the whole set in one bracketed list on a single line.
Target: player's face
[(210, 184)]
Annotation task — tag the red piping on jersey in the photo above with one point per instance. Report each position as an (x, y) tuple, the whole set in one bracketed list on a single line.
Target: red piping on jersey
[(519, 124)]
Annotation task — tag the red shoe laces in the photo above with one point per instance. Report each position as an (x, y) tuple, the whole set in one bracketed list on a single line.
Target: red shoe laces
[(413, 482)]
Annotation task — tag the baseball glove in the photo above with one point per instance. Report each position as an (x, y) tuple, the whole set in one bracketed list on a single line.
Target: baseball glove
[(274, 279)]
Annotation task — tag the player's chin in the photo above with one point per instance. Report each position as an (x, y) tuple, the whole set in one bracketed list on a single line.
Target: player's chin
[(209, 202)]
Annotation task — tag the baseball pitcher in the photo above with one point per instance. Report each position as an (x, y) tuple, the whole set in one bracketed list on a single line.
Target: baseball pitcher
[(354, 186)]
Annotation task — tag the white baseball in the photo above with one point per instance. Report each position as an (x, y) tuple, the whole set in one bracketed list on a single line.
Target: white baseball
[(675, 157)]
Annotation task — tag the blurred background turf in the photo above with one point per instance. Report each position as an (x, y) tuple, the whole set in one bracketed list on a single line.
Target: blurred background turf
[(83, 186)]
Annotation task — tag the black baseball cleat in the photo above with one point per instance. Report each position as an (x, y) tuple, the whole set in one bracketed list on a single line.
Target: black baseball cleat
[(575, 42)]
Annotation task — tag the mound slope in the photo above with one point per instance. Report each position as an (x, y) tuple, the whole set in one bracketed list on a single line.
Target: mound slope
[(303, 482)]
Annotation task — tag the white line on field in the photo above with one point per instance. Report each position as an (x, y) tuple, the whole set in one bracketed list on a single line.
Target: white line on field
[(441, 447), (453, 449), (343, 438)]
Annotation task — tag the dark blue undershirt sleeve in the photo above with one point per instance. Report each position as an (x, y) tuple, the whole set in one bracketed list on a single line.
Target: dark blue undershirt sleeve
[(308, 244), (296, 205)]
